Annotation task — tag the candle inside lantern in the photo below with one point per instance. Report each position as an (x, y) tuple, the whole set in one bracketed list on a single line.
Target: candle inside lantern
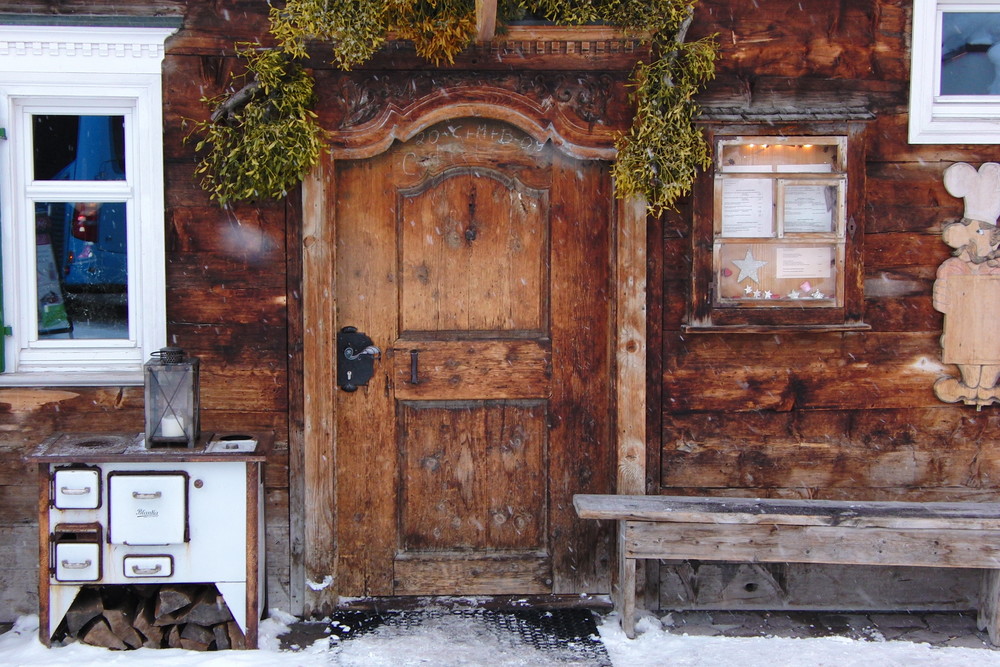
[(171, 427)]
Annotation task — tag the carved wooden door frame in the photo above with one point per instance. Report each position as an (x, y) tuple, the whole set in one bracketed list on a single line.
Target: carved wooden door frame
[(564, 109)]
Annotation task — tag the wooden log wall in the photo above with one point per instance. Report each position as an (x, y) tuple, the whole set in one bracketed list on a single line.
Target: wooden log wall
[(228, 296), (836, 415), (821, 415)]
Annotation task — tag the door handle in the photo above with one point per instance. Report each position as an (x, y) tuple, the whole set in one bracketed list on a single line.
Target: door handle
[(356, 356), (414, 366)]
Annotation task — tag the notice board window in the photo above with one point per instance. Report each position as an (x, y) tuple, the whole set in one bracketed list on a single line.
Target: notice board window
[(776, 235)]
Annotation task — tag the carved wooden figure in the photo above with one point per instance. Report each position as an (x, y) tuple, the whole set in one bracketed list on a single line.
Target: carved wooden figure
[(967, 289)]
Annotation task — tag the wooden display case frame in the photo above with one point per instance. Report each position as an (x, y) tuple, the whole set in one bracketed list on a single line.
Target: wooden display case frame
[(779, 303)]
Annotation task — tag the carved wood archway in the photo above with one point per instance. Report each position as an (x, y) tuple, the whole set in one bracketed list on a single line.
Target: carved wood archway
[(565, 110)]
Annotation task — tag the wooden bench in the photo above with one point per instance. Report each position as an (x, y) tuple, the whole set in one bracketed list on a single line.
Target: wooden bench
[(934, 534)]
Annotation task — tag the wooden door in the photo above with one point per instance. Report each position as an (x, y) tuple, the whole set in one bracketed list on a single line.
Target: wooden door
[(479, 260)]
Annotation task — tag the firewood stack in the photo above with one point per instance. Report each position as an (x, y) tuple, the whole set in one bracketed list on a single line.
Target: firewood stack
[(189, 616)]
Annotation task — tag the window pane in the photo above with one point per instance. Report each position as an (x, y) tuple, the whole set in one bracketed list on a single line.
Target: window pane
[(969, 60), (78, 148), (82, 270)]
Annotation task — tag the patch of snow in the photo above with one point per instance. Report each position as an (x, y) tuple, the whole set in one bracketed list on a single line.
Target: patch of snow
[(320, 585), (458, 642), (656, 648)]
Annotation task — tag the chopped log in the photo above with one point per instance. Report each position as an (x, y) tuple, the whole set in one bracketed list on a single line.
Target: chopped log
[(99, 633), (87, 606), (207, 609), (192, 645), (197, 634), (120, 619), (171, 598), (144, 617), (168, 620), (174, 637), (221, 632), (236, 638)]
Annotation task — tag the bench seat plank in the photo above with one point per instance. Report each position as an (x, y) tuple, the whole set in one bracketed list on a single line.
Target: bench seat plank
[(793, 512), (814, 544)]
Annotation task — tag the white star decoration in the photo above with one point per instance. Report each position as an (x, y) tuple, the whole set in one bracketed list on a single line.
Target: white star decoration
[(748, 289), (749, 267), (794, 294), (767, 294)]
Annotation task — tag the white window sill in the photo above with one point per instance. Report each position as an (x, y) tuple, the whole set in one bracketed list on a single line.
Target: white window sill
[(88, 379)]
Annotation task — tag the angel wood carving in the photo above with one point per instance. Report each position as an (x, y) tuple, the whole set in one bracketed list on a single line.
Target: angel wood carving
[(967, 289)]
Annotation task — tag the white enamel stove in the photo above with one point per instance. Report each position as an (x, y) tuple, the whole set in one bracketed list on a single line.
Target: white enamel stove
[(114, 512)]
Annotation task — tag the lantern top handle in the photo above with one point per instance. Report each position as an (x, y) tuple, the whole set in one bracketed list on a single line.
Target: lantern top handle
[(169, 355)]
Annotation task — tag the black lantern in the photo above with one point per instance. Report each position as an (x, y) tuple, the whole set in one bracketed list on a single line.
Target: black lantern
[(172, 401)]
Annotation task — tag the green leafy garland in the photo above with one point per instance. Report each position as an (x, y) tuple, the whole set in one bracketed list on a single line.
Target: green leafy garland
[(262, 140), (264, 148)]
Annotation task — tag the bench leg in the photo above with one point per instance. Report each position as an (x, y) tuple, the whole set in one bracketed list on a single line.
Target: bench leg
[(626, 586), (989, 605)]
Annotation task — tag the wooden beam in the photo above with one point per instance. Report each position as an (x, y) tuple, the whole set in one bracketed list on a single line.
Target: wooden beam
[(317, 500), (631, 345), (989, 612), (486, 20)]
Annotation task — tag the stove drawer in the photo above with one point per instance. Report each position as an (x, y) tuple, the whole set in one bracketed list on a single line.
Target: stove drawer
[(147, 508), (137, 567), (76, 488), (79, 561)]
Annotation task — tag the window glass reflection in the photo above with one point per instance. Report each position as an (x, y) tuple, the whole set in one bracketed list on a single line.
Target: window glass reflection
[(78, 148), (82, 270), (970, 55)]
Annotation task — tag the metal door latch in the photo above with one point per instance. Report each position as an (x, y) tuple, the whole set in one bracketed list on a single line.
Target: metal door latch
[(356, 355)]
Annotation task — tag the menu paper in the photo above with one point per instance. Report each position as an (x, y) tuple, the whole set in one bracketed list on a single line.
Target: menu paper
[(794, 262), (809, 208), (747, 205)]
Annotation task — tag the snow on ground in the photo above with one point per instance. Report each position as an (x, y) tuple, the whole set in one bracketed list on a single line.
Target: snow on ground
[(457, 642)]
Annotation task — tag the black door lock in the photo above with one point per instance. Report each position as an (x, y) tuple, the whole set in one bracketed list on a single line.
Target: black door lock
[(356, 355)]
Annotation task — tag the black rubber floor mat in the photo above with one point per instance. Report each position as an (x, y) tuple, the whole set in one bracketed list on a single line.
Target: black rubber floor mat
[(562, 636)]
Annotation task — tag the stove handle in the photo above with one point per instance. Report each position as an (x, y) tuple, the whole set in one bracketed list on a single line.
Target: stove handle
[(67, 565), (146, 570), (139, 495), (66, 491)]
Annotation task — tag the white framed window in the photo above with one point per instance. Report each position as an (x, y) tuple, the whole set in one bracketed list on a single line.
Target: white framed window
[(81, 203), (955, 72)]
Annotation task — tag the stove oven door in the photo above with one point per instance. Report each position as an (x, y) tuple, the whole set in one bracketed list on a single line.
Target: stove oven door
[(148, 508)]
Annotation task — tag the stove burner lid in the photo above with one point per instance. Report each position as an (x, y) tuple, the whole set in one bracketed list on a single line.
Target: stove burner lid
[(93, 443), (233, 443)]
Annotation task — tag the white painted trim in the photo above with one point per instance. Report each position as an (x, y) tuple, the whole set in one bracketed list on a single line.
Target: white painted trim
[(933, 119), (105, 70), (90, 49)]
